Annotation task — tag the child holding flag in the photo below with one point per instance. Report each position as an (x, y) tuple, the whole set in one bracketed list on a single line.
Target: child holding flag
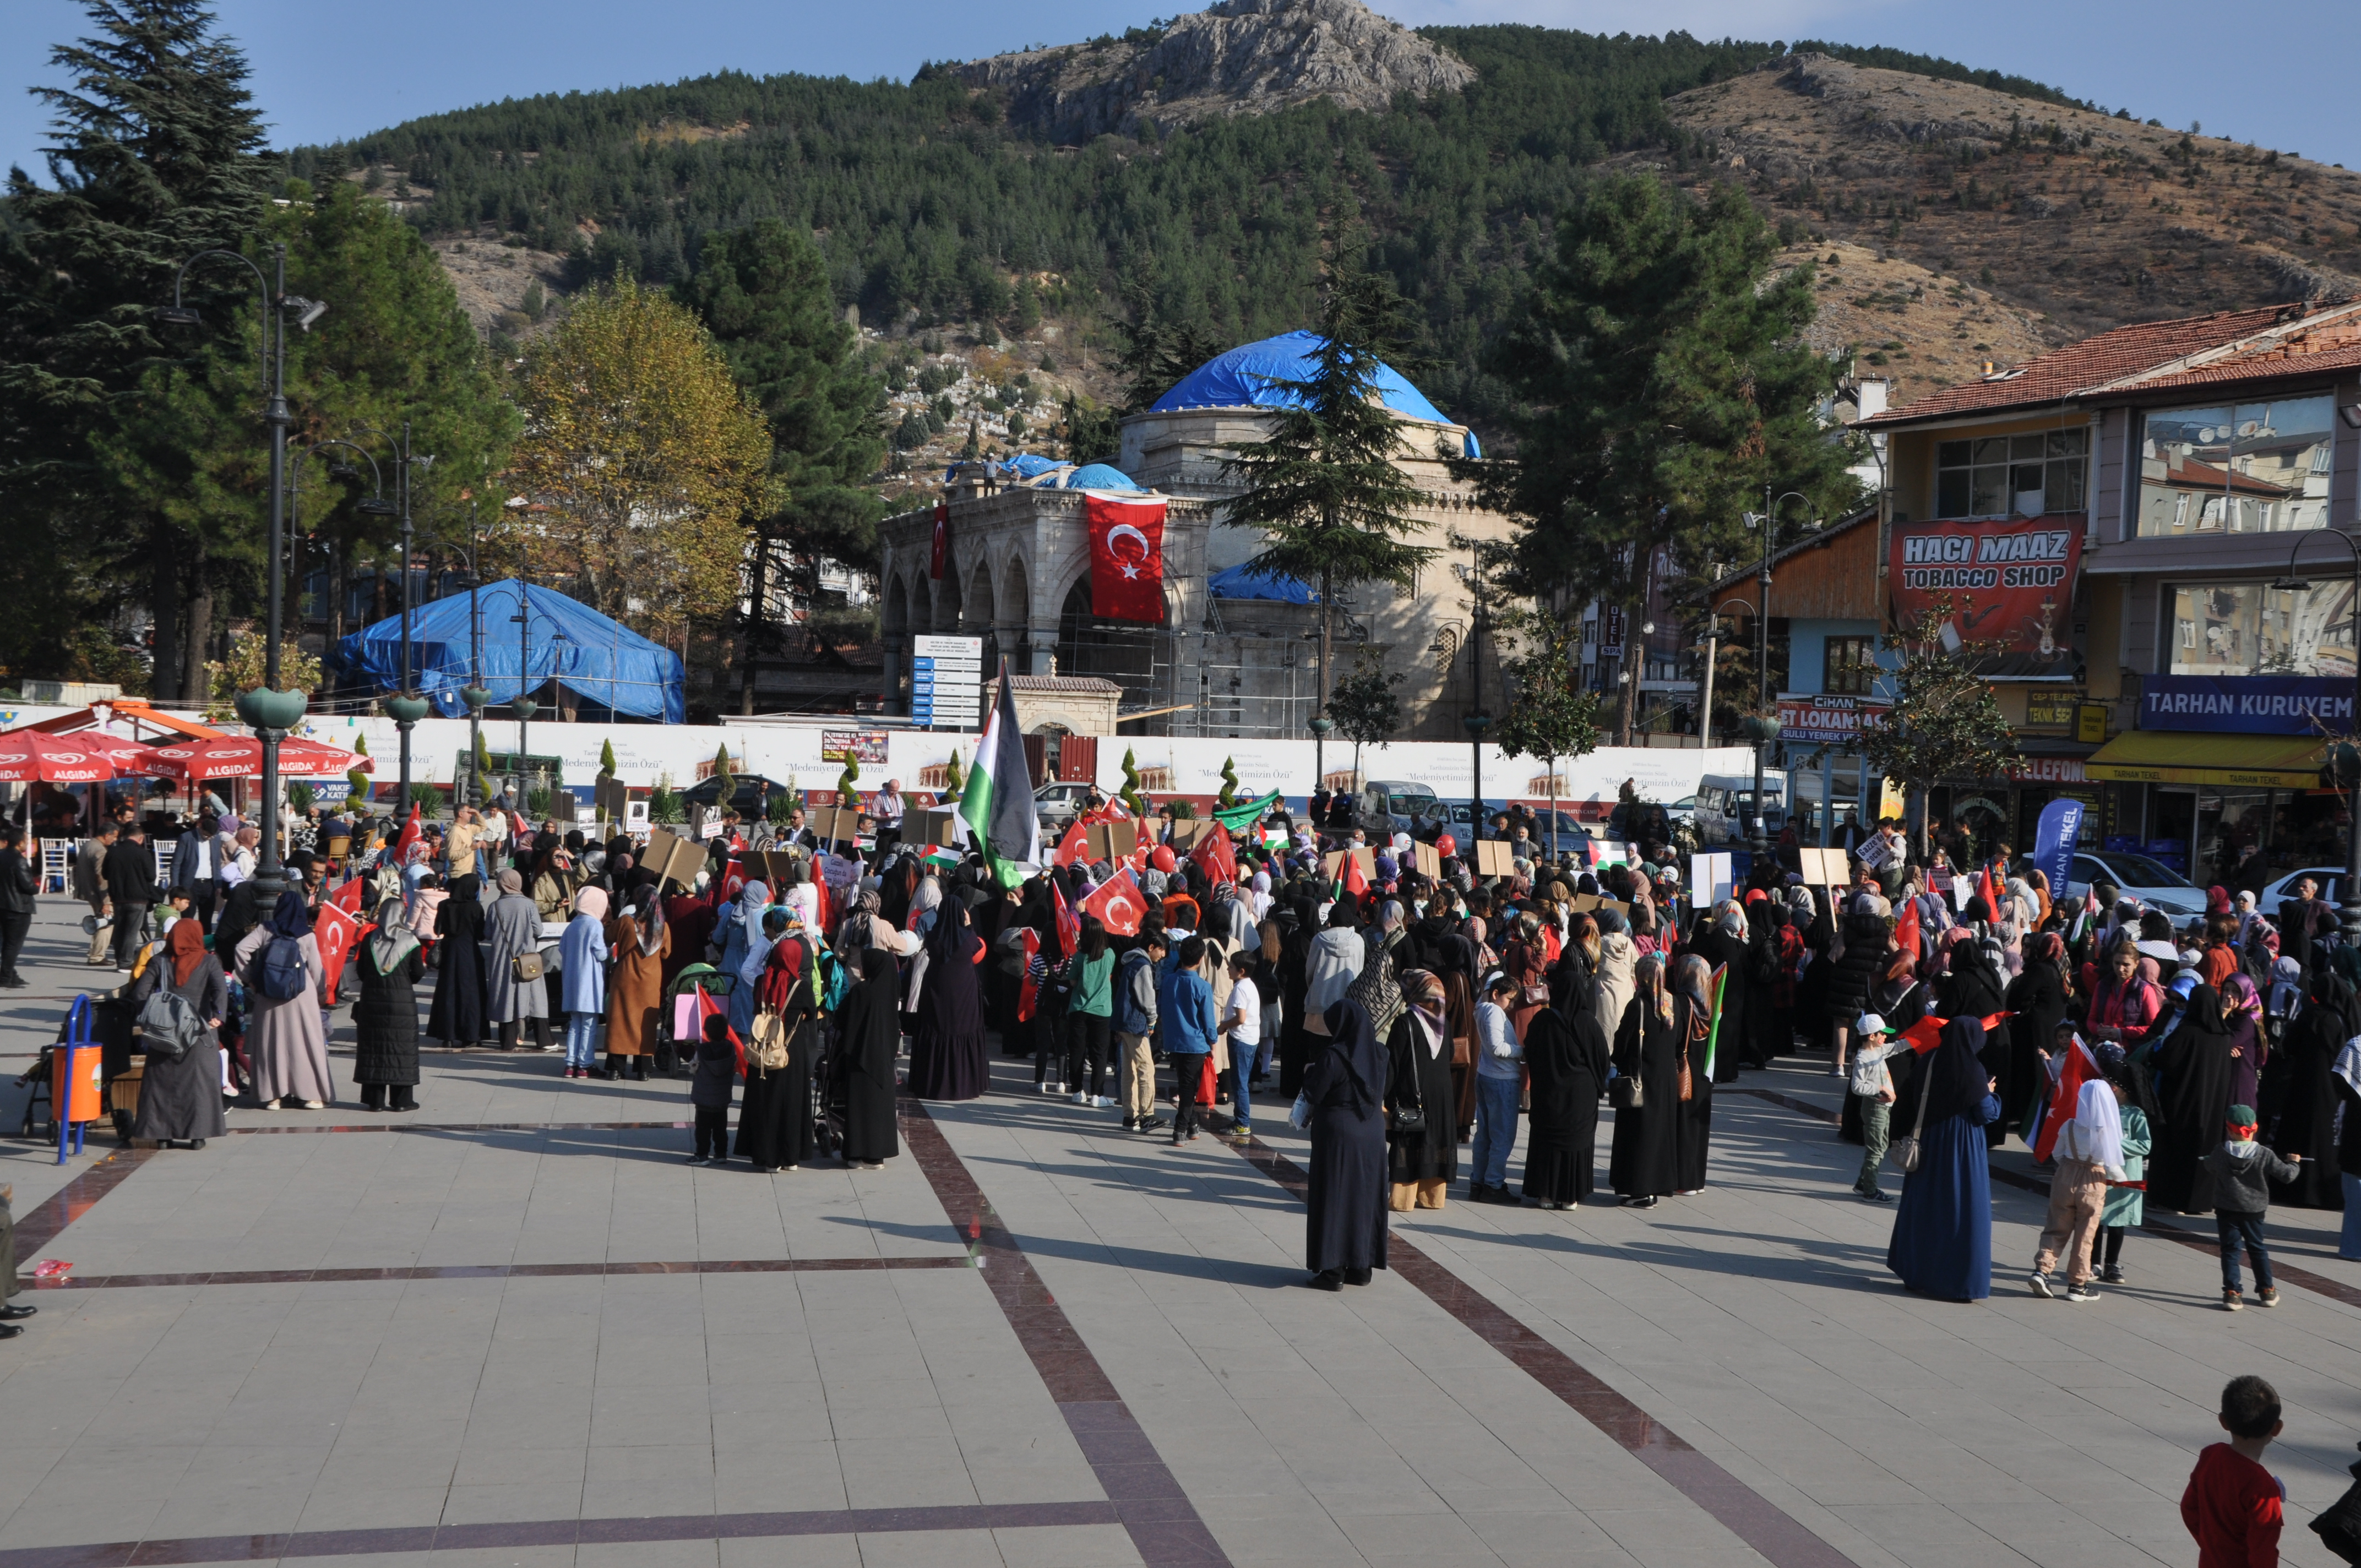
[(2089, 1148)]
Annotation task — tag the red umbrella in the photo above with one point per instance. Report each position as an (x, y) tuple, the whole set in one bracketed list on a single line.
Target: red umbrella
[(90, 756), (240, 757)]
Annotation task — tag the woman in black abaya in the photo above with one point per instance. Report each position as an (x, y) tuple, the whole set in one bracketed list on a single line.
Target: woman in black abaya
[(1421, 1161), (460, 991), (2037, 1004), (1942, 1227), (1974, 989), (1643, 1164), (869, 1034), (1345, 1084), (1723, 946), (774, 1118), (948, 1056), (1566, 1052), (1693, 1126), (2300, 1087), (2196, 1070)]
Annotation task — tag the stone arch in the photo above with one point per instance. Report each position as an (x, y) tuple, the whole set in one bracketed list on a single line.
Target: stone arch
[(978, 610), (947, 605), (893, 609), (1016, 619)]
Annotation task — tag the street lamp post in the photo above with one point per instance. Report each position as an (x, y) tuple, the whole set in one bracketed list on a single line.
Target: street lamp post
[(269, 711), (2345, 764), (1763, 726), (1477, 723), (406, 708)]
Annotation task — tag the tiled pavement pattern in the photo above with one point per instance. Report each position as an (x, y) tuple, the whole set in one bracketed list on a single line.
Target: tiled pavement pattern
[(523, 1332)]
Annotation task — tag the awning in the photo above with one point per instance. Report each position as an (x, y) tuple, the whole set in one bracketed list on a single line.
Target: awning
[(2164, 756)]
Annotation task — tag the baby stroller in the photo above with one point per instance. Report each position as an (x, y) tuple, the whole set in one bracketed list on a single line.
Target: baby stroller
[(678, 1022)]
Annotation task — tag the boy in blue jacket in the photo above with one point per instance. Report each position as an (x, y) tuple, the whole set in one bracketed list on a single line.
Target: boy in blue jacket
[(1185, 1008)]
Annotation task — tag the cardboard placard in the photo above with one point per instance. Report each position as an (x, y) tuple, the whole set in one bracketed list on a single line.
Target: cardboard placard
[(935, 825), (837, 870), (674, 857), (1110, 841), (1824, 868), (635, 816), (1711, 879), (1591, 902), (835, 823), (1188, 832), (1333, 861), (1427, 863), (774, 864), (1494, 858), (560, 806), (611, 799), (701, 822)]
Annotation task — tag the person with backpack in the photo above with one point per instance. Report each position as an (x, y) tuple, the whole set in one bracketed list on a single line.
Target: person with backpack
[(181, 997), (279, 963)]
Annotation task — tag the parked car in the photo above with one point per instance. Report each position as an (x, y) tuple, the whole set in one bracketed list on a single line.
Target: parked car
[(1057, 803), (2329, 878), (751, 794), (2151, 881)]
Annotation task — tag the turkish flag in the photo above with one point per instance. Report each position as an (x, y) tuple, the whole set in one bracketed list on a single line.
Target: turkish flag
[(1127, 559), (1991, 894), (1355, 883), (1073, 847), (1070, 924), (2079, 1068), (349, 897), (1927, 1033), (1215, 858), (409, 839), (1029, 993), (942, 557), (1905, 930), (1117, 904), (709, 1008), (335, 931)]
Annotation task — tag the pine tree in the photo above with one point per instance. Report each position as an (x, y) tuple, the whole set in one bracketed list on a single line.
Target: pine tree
[(153, 159), (763, 292), (1663, 383), (1323, 486)]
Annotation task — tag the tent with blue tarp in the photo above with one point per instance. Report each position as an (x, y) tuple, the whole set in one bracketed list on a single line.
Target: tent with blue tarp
[(1243, 379), (602, 660), (1242, 582)]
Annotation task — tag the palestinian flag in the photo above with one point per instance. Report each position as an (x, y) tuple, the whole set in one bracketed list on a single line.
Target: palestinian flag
[(998, 801), (1713, 988), (942, 857)]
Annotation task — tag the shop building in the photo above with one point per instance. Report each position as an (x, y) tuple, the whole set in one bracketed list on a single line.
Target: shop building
[(2119, 518)]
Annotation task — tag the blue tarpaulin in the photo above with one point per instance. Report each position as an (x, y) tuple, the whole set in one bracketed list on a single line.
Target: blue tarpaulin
[(1242, 582), (1099, 477), (602, 661), (1243, 378)]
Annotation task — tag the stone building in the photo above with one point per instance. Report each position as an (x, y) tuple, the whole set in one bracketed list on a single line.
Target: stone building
[(1235, 656)]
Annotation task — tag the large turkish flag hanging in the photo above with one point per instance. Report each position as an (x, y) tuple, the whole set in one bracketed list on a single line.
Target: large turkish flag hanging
[(1127, 559)]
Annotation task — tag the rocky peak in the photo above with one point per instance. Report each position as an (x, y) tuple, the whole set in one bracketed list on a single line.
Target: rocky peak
[(1238, 57)]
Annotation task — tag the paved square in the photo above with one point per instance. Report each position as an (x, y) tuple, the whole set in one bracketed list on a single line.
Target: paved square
[(516, 1328)]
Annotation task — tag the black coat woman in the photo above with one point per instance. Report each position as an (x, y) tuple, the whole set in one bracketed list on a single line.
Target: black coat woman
[(1975, 989), (385, 1015), (1723, 946), (181, 1102), (461, 994), (1643, 1163), (2036, 1001), (2196, 1071), (1423, 1157), (868, 1036), (1851, 975), (776, 1126), (2301, 1088), (1345, 1084), (1566, 1053)]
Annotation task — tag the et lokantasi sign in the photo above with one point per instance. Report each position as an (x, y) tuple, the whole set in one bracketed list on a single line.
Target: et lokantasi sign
[(2011, 582), (1813, 718)]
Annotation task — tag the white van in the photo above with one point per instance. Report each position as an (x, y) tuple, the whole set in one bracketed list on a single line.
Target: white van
[(1725, 806)]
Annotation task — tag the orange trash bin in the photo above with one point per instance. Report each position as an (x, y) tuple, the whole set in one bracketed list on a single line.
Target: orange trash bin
[(78, 1098)]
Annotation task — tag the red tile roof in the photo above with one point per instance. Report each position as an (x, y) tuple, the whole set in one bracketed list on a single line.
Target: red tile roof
[(2227, 345)]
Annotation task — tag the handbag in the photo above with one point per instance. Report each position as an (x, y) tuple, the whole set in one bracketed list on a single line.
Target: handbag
[(1904, 1152), (1624, 1094), (770, 1049), (1406, 1119), (527, 966), (1298, 1115)]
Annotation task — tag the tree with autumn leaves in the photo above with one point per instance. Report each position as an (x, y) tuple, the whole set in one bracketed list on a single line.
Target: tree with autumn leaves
[(641, 461)]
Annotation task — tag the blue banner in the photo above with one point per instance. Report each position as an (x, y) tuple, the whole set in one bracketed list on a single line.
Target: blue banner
[(2247, 705), (2053, 842)]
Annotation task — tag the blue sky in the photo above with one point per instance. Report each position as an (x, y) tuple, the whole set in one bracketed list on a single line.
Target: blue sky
[(325, 71)]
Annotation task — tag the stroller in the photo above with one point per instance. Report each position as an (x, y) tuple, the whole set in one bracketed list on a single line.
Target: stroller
[(678, 1017)]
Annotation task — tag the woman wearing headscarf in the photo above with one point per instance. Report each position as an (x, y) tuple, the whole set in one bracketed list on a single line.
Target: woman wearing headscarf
[(868, 1038), (1566, 1052), (2299, 1095), (949, 1058), (1643, 1164), (639, 940), (1942, 1225), (285, 1041), (511, 930), (1866, 938), (385, 1015), (2250, 1050), (181, 1102), (1348, 1087), (2198, 1071), (2036, 1000), (1420, 1159), (1691, 983), (775, 1117), (1976, 988), (552, 886), (457, 1016), (1723, 946), (582, 958), (738, 929)]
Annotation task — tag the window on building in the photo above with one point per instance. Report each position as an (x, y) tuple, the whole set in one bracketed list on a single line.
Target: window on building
[(2011, 475), (2252, 628), (1848, 666), (2249, 468)]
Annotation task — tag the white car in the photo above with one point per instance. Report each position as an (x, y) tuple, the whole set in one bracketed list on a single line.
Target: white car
[(2327, 878), (2152, 882)]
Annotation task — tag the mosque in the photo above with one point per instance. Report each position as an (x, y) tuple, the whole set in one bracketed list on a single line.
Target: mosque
[(1236, 655)]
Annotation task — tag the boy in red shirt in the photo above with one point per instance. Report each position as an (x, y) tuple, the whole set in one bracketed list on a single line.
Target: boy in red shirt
[(2232, 1504)]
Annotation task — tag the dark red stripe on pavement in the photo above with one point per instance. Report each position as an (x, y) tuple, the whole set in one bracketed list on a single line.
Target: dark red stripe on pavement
[(493, 1271)]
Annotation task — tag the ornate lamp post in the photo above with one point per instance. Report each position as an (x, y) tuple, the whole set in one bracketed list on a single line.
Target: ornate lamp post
[(1761, 730), (1477, 723), (1320, 726), (271, 712)]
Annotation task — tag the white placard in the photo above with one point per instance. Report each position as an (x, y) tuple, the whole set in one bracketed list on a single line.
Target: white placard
[(1709, 880)]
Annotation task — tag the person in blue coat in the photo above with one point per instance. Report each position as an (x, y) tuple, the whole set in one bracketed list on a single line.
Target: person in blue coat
[(582, 965), (1184, 1007), (1942, 1226)]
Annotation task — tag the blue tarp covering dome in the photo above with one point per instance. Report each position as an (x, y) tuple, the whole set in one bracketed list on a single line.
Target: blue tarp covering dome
[(1099, 477), (600, 659), (1026, 466), (1242, 379), (1242, 582)]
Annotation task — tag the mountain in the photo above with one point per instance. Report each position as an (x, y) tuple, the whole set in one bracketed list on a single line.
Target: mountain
[(1192, 169), (1240, 57)]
